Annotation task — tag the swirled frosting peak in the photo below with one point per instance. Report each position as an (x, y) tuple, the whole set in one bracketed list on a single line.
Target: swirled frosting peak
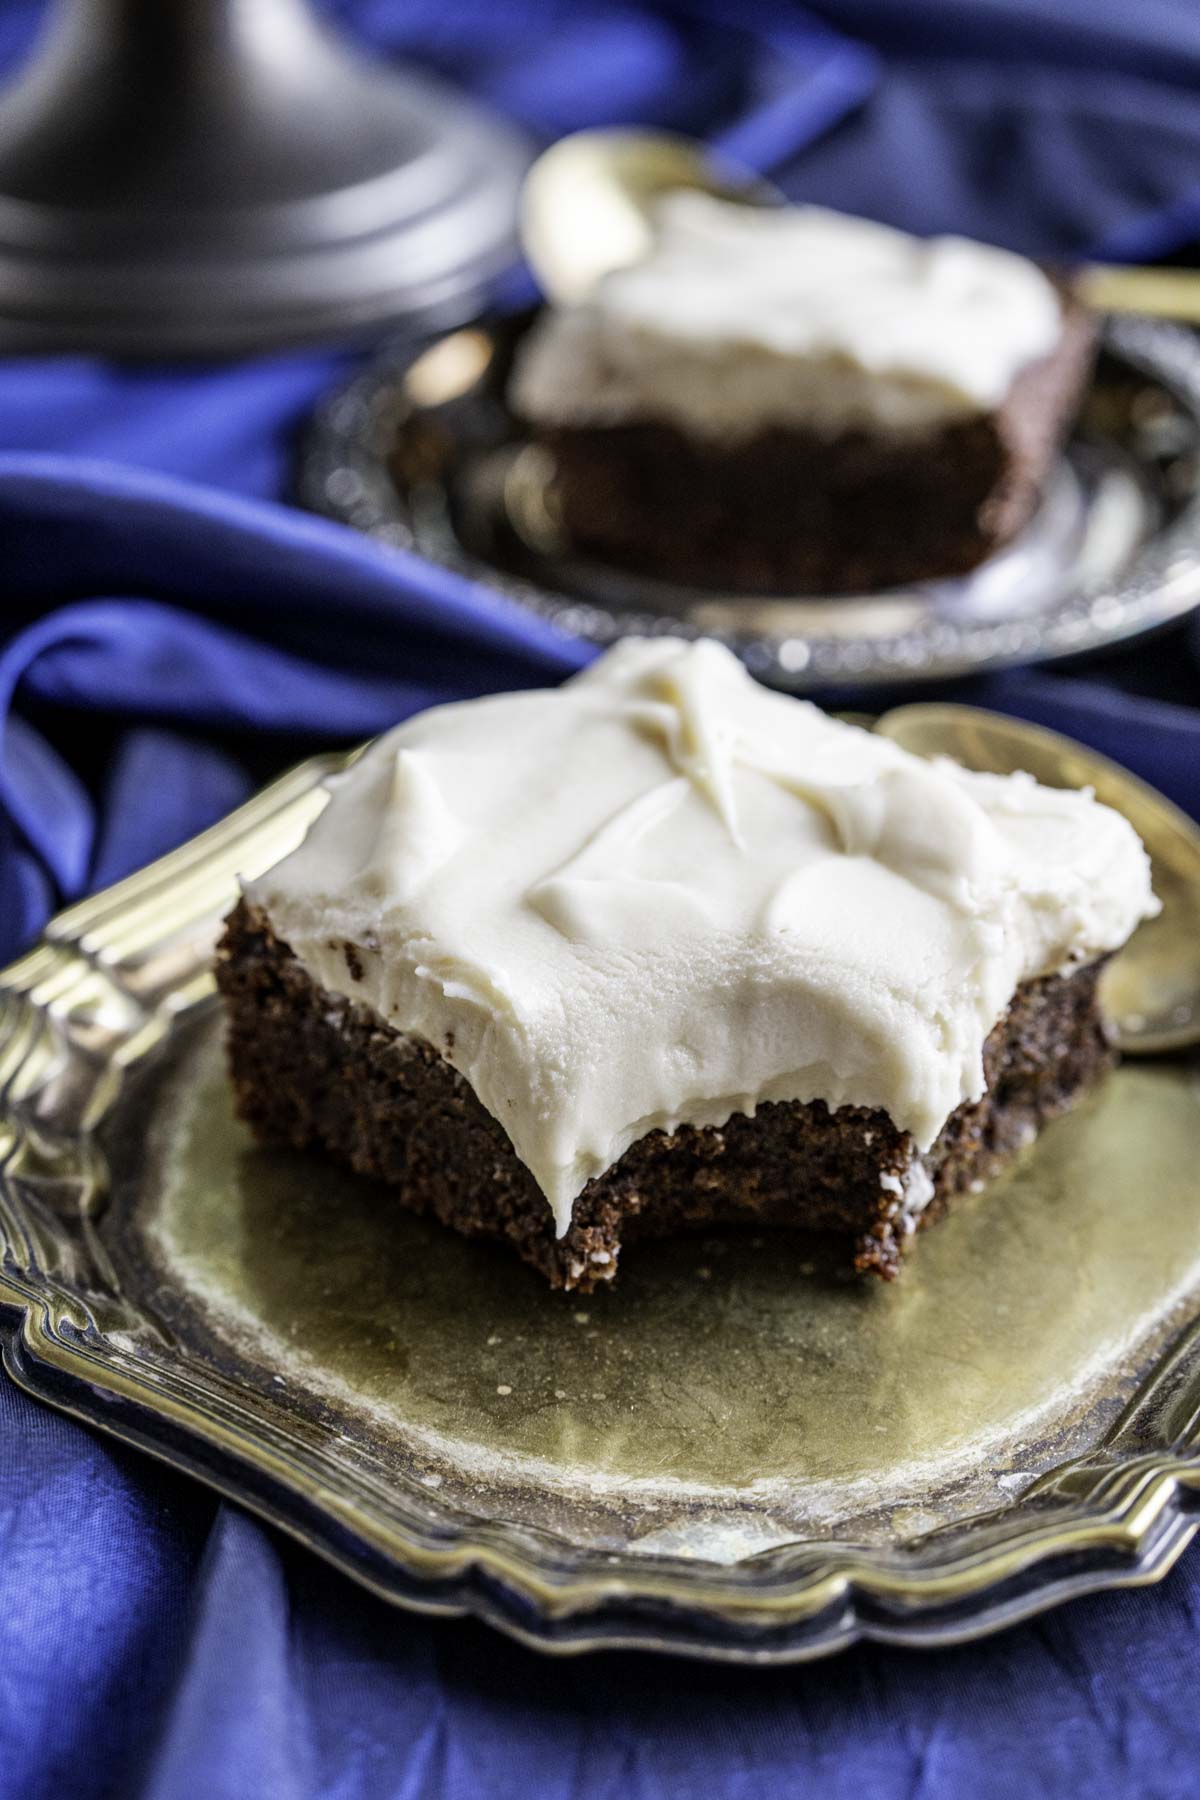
[(662, 893)]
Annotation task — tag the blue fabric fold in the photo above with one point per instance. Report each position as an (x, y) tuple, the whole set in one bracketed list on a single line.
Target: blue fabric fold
[(172, 633), (217, 614)]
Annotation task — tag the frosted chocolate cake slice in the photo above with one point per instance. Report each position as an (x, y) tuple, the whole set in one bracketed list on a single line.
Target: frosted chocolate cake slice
[(661, 948), (792, 400)]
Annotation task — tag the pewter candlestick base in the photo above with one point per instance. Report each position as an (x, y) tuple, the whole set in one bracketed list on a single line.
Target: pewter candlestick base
[(211, 176)]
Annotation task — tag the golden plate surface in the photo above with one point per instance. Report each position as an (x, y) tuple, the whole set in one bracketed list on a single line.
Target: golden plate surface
[(732, 1454)]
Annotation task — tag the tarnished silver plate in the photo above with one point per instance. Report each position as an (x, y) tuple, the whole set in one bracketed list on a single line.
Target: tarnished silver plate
[(731, 1455), (421, 450)]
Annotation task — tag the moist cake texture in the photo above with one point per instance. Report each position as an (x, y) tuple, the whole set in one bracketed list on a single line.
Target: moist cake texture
[(791, 398), (661, 947), (314, 1071)]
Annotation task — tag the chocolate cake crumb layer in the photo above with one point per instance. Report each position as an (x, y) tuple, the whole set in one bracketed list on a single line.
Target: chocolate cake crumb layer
[(314, 1071), (795, 511)]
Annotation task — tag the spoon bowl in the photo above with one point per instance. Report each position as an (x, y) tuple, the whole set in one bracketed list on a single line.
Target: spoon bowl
[(1151, 988)]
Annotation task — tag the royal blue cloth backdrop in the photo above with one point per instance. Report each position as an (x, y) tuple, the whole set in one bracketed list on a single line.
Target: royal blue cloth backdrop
[(172, 633)]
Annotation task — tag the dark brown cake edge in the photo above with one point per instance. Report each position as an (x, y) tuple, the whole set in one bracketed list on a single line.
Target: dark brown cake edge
[(315, 1071), (792, 511)]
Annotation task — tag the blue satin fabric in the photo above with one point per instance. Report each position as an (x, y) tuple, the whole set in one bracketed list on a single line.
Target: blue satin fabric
[(173, 633)]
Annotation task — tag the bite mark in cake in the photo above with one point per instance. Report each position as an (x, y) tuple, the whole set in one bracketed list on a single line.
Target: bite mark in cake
[(661, 945)]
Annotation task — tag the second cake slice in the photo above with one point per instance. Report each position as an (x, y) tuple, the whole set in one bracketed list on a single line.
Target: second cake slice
[(789, 399)]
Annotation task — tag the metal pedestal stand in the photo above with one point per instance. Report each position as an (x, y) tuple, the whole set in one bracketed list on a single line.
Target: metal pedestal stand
[(209, 176)]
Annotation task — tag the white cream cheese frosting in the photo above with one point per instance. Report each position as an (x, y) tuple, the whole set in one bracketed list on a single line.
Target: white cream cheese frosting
[(740, 317), (662, 893)]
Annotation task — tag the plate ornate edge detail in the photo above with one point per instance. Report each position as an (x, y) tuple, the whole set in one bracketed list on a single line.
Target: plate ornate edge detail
[(110, 980)]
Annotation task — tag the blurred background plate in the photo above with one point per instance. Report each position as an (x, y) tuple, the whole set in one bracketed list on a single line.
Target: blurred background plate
[(421, 451)]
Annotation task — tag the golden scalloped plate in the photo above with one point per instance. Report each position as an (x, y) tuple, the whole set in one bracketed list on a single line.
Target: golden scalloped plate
[(732, 1455)]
